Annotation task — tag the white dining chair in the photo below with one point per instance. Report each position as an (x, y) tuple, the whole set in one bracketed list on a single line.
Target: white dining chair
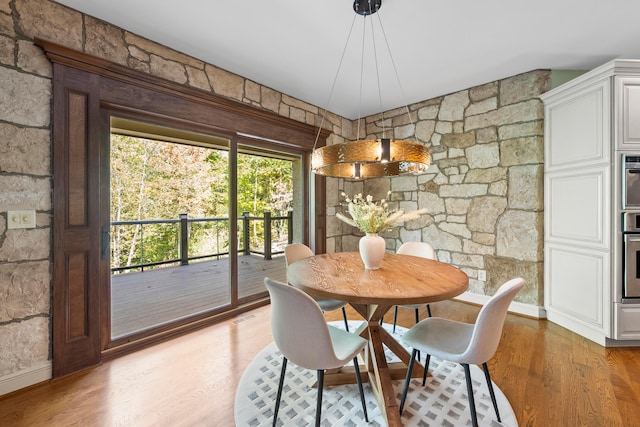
[(296, 251), (304, 337), (419, 249), (463, 343)]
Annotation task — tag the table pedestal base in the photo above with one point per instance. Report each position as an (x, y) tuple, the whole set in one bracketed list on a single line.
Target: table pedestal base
[(379, 373)]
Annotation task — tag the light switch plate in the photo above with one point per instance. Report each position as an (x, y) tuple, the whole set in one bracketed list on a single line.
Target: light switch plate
[(21, 219)]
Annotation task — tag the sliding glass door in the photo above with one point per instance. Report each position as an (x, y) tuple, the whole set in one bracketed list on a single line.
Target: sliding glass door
[(266, 205), (173, 235)]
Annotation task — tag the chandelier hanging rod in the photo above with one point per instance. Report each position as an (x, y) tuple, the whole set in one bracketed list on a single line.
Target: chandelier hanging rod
[(369, 158)]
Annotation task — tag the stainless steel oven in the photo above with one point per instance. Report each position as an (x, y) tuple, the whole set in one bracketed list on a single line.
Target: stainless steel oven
[(631, 268), (631, 181)]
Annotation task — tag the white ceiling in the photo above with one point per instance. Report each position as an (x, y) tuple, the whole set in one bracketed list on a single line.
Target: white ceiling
[(438, 47)]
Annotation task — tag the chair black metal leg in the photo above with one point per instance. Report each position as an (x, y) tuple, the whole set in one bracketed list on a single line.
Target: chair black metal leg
[(320, 389), (279, 395), (417, 320), (428, 310), (472, 402), (395, 318), (485, 368), (344, 316), (359, 381), (426, 369), (407, 380)]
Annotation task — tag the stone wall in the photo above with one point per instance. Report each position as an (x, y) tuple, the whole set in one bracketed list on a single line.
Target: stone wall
[(25, 183), (25, 147), (483, 190)]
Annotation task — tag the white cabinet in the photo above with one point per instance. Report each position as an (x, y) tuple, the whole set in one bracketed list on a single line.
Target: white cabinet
[(629, 107), (577, 130), (627, 322), (587, 122)]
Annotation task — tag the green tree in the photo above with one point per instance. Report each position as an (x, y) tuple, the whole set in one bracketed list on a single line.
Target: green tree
[(161, 180), (264, 184), (156, 180)]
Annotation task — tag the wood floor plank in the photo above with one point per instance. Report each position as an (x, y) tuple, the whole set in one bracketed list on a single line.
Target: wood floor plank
[(551, 376)]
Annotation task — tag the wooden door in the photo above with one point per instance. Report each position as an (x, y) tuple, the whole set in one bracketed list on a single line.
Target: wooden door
[(85, 88), (76, 221)]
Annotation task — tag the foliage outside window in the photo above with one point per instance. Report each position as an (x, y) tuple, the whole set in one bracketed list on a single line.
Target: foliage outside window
[(154, 180)]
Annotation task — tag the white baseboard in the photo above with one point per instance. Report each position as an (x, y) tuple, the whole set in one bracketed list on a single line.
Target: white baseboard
[(25, 378), (515, 307), (579, 327), (621, 343)]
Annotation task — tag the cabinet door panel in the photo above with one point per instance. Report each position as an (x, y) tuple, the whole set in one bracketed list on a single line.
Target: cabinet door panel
[(577, 129), (629, 96), (580, 286), (627, 321), (577, 208)]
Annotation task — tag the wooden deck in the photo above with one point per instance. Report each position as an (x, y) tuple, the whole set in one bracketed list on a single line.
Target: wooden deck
[(142, 300)]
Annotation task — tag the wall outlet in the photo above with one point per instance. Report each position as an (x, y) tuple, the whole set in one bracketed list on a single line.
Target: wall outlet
[(482, 275), (21, 219)]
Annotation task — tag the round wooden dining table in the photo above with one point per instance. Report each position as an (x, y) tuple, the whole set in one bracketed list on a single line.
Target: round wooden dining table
[(401, 279)]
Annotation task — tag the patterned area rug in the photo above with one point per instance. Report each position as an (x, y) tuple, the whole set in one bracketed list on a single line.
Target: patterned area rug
[(442, 402)]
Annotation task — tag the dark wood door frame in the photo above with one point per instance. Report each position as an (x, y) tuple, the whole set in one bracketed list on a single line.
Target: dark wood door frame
[(86, 89)]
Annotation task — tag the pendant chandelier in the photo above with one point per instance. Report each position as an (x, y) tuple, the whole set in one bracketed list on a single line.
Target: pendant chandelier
[(369, 158)]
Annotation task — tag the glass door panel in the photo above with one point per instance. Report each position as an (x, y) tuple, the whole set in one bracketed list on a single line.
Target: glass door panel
[(266, 209), (184, 208), (170, 228)]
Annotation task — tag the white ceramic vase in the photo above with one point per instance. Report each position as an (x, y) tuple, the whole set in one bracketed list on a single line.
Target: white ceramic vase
[(372, 249)]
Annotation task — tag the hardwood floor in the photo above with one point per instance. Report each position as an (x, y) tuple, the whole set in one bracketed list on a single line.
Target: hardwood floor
[(551, 376)]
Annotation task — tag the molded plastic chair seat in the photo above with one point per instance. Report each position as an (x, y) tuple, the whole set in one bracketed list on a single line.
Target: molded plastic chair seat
[(452, 338), (423, 250), (304, 337), (463, 343), (296, 251), (329, 304)]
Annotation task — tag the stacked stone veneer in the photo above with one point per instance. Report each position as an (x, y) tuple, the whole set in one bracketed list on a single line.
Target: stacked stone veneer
[(483, 191), (25, 147)]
